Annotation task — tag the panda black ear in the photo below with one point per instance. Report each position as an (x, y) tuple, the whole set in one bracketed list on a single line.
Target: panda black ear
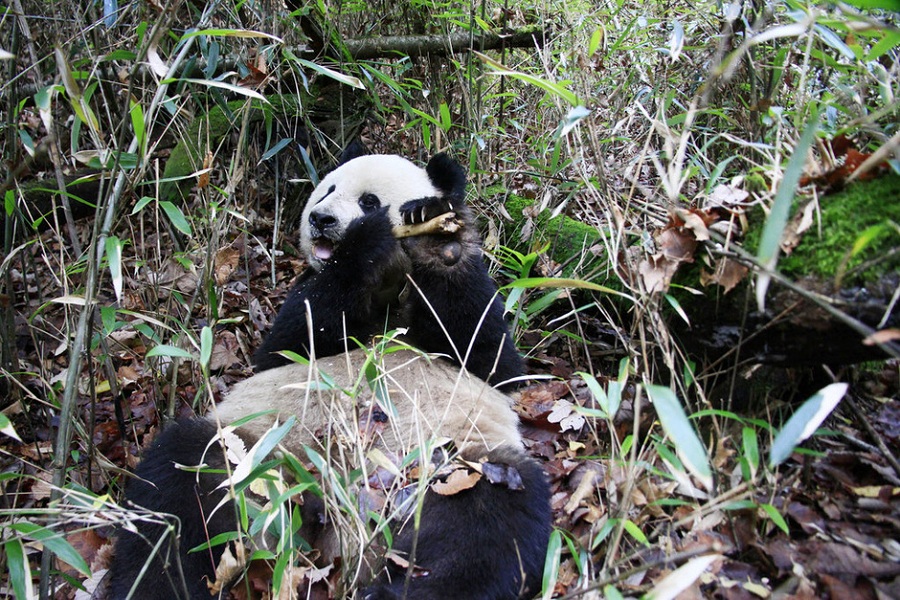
[(447, 175), (354, 149)]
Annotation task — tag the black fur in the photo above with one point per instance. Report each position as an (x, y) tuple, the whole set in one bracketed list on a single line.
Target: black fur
[(456, 296), (475, 544), (159, 487), (350, 295)]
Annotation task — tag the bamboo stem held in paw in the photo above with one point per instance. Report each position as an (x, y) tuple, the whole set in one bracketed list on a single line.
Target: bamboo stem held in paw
[(444, 224)]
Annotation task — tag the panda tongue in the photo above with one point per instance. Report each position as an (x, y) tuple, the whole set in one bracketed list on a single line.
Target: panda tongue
[(323, 249)]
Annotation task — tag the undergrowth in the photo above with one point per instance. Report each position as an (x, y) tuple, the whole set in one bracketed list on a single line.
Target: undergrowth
[(158, 157)]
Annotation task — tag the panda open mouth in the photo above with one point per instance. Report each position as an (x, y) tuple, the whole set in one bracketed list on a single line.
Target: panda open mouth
[(323, 248)]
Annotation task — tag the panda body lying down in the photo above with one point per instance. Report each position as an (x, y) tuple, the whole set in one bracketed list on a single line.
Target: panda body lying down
[(476, 543), (485, 542)]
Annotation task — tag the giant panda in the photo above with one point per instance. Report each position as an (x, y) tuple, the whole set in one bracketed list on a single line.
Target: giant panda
[(357, 270), (429, 392)]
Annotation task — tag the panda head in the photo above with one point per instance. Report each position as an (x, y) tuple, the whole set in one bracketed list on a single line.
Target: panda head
[(365, 184)]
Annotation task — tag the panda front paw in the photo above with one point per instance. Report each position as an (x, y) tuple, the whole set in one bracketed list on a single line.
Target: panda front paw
[(424, 209), (368, 239)]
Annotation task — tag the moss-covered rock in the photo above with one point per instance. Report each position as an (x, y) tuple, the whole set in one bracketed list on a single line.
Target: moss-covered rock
[(567, 240), (864, 210), (320, 107)]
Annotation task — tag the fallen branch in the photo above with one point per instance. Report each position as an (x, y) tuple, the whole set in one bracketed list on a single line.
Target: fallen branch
[(444, 224), (390, 46), (442, 45)]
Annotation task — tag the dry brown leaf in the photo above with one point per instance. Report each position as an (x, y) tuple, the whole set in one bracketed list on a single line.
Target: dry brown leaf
[(564, 413), (203, 178), (696, 222), (657, 272), (726, 196), (677, 244), (459, 480), (225, 263), (228, 568), (798, 224), (224, 352), (728, 274)]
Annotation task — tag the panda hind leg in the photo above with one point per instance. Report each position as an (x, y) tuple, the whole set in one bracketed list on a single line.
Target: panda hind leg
[(162, 488), (485, 543)]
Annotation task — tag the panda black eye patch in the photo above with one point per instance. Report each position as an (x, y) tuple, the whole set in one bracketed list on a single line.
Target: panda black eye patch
[(369, 202)]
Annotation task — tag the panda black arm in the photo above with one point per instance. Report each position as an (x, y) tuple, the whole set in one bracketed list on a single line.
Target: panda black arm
[(469, 326), (348, 297), (454, 284)]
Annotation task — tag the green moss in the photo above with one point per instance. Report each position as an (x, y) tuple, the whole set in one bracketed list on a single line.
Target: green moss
[(567, 239), (845, 217)]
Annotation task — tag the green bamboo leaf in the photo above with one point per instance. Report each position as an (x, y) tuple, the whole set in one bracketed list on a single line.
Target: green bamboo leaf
[(236, 89), (237, 33), (551, 564), (561, 282), (805, 421), (114, 257), (769, 245), (445, 116), (553, 88), (6, 427), (682, 434), (598, 393), (596, 40), (55, 542), (170, 351), (137, 123), (19, 569), (340, 77), (893, 5), (866, 237), (206, 346), (887, 43), (140, 204), (776, 517), (634, 531), (176, 217), (283, 143), (750, 446)]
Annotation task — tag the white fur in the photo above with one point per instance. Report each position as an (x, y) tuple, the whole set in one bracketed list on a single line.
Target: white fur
[(431, 400), (392, 178)]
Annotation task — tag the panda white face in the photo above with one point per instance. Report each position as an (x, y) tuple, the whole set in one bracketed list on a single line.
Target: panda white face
[(354, 189)]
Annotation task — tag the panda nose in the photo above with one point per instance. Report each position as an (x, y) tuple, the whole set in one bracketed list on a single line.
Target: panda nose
[(321, 222)]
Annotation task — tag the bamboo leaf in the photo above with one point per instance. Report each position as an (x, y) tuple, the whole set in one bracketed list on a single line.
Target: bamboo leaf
[(340, 77), (805, 421), (682, 434), (769, 245), (170, 351), (177, 218), (55, 542), (114, 257)]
